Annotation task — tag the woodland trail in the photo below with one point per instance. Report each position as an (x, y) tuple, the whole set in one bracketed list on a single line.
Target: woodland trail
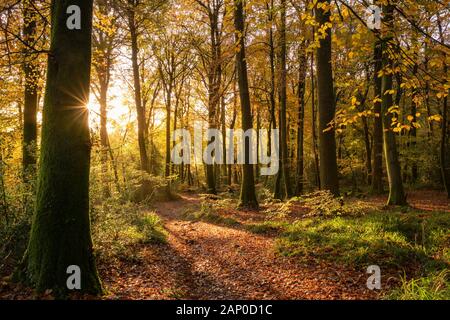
[(207, 261)]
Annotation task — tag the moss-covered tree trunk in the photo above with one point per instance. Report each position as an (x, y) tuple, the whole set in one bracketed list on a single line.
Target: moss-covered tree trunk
[(396, 192), (60, 233), (327, 140), (248, 194)]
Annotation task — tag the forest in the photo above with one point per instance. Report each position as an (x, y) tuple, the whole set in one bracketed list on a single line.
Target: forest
[(224, 149)]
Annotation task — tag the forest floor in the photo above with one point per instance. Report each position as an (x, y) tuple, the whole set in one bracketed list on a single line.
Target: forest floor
[(223, 256), (203, 260)]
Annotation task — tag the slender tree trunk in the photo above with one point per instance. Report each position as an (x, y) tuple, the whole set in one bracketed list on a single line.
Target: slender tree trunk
[(224, 137), (284, 152), (313, 122), (104, 138), (396, 192), (273, 121), (248, 194), (368, 149), (377, 148), (445, 135), (60, 232), (413, 132), (31, 73), (168, 116), (327, 108), (233, 123), (137, 91), (301, 117)]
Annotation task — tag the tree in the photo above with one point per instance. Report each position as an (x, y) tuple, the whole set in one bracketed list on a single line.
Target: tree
[(31, 73), (327, 140), (377, 149), (104, 44), (301, 88), (248, 194), (283, 184), (213, 63), (60, 232), (396, 193), (445, 135), (134, 35)]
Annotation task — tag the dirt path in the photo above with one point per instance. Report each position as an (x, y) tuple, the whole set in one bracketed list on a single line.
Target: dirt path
[(207, 261)]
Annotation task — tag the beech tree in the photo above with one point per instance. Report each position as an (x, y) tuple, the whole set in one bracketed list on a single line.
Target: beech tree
[(60, 233), (326, 99), (396, 192), (30, 103), (248, 194)]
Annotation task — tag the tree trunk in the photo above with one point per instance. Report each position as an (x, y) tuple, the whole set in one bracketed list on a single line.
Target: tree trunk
[(377, 148), (327, 108), (60, 233), (413, 132), (445, 136), (283, 173), (248, 194), (31, 73), (104, 138), (368, 150), (137, 91), (313, 121), (301, 117), (168, 116), (396, 192)]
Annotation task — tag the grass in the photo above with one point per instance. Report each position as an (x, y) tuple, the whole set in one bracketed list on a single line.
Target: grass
[(387, 238), (435, 286), (267, 227), (413, 241)]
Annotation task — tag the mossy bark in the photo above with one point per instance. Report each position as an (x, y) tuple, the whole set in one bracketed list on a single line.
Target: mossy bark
[(60, 233)]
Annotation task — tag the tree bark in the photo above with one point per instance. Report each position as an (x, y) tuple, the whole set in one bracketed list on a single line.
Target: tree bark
[(60, 232), (31, 73), (445, 128), (137, 89), (248, 194), (327, 108), (283, 173), (396, 192), (301, 117), (377, 148)]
